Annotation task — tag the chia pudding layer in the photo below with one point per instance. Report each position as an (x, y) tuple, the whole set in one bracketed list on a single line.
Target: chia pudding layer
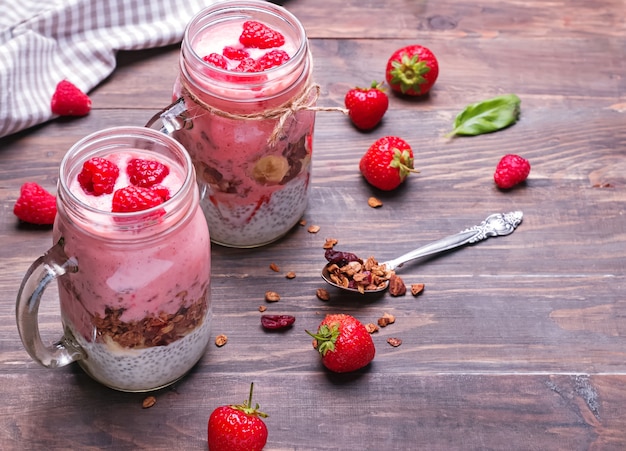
[(133, 368), (251, 193)]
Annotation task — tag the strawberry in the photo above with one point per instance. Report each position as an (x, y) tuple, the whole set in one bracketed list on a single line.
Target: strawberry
[(216, 60), (510, 171), (258, 35), (366, 106), (237, 427), (412, 70), (135, 198), (234, 53), (68, 100), (344, 343), (387, 163), (146, 172), (98, 176), (35, 205), (272, 58)]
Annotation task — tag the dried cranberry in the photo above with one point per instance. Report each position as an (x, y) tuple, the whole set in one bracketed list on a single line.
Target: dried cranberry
[(277, 321), (340, 258)]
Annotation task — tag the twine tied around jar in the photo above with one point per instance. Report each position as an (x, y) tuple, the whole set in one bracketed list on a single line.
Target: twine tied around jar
[(302, 102)]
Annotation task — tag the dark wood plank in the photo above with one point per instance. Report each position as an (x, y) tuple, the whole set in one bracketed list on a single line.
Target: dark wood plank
[(486, 20), (439, 412)]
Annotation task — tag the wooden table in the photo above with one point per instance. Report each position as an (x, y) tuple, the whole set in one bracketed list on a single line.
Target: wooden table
[(518, 342)]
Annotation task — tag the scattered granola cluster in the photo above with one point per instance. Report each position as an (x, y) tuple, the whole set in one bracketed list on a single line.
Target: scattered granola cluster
[(348, 270), (384, 321)]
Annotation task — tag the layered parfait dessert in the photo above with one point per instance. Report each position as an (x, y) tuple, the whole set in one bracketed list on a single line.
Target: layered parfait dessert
[(138, 306), (245, 83)]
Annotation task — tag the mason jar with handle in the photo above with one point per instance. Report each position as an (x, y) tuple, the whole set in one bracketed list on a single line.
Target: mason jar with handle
[(245, 109), (133, 281)]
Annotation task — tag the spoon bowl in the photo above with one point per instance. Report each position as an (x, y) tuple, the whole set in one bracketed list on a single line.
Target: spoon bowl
[(497, 224)]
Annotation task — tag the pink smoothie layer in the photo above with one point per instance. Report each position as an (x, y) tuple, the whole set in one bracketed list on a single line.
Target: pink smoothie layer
[(139, 279)]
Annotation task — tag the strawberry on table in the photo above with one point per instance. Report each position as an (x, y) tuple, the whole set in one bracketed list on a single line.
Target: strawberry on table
[(344, 343), (511, 170), (387, 163), (412, 70), (237, 427), (35, 205), (366, 106), (68, 100)]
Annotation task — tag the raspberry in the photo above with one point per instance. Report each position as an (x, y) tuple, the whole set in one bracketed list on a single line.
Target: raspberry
[(35, 205), (162, 191), (248, 65), (511, 170), (98, 176), (68, 100), (260, 36), (216, 60), (146, 173), (135, 198), (272, 58), (235, 54)]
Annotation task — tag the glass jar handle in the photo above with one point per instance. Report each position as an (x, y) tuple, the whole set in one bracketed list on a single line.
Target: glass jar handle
[(171, 118), (44, 270)]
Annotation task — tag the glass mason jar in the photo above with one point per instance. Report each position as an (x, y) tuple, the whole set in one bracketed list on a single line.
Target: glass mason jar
[(249, 134), (134, 287)]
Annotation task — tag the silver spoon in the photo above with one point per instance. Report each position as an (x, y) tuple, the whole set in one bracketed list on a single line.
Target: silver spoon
[(497, 224)]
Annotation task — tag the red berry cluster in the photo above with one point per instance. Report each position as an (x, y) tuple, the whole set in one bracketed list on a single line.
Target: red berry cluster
[(410, 71), (98, 176), (255, 35)]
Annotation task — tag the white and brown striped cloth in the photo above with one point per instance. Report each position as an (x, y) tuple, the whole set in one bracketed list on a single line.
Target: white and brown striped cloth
[(44, 42)]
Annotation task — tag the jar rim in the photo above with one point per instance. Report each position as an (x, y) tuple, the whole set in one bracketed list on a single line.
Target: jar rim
[(123, 137), (240, 9)]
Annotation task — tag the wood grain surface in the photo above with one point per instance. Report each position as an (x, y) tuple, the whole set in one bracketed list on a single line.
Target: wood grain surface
[(517, 342)]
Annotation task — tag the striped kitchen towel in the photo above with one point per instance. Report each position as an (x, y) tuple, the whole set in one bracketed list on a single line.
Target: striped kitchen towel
[(44, 42)]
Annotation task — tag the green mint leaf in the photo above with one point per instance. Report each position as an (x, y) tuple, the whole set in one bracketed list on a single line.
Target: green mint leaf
[(487, 116)]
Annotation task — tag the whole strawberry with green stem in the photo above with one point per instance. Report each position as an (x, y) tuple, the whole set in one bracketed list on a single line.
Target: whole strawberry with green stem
[(366, 106), (237, 427), (412, 70), (387, 163), (344, 343)]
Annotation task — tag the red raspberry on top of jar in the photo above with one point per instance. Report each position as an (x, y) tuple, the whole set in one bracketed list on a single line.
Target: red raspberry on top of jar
[(248, 54), (258, 35)]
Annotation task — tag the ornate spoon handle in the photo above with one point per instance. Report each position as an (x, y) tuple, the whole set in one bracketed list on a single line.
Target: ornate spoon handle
[(497, 224)]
